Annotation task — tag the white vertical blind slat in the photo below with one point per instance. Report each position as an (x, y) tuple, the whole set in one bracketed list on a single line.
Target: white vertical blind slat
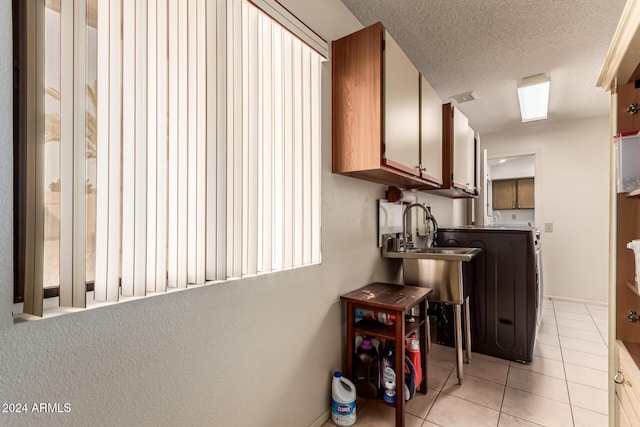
[(221, 165), (266, 172), (192, 171), (115, 123), (306, 155), (152, 143), (162, 146), (211, 129), (102, 156), (34, 233), (278, 151), (201, 137), (128, 147), (316, 152), (173, 78), (250, 147), (234, 139), (257, 174), (183, 147), (288, 189), (297, 155), (66, 153), (140, 234), (80, 156)]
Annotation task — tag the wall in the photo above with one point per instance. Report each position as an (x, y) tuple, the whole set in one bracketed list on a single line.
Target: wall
[(512, 167), (572, 191), (251, 352)]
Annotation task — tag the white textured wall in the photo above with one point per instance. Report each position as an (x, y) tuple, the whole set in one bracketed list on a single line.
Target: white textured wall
[(254, 352), (572, 192), (514, 167)]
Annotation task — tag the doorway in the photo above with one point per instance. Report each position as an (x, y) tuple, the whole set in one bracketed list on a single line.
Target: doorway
[(510, 190)]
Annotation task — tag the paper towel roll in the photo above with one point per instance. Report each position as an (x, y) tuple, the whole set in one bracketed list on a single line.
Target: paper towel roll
[(395, 195)]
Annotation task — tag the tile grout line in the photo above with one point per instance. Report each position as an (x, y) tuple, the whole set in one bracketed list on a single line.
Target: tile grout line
[(564, 369), (504, 393), (598, 328), (439, 391)]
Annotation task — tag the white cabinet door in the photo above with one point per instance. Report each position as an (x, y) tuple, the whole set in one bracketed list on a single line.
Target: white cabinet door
[(431, 121), (401, 107), (471, 159), (460, 149)]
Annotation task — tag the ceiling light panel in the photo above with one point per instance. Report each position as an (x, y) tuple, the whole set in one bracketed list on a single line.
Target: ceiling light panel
[(533, 94)]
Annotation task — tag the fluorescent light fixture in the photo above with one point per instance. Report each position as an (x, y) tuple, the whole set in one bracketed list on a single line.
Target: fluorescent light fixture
[(533, 93)]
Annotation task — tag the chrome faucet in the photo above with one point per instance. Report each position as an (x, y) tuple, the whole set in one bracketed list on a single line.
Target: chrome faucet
[(427, 217)]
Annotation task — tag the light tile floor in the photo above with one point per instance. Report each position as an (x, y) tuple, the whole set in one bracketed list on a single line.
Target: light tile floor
[(565, 384)]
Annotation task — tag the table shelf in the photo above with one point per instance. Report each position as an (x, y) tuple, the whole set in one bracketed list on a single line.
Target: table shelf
[(387, 332), (397, 300)]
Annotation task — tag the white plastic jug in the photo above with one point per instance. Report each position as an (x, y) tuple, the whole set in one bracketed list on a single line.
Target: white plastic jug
[(343, 402), (634, 245)]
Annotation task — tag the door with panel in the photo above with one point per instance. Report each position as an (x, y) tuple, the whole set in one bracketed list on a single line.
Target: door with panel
[(401, 112)]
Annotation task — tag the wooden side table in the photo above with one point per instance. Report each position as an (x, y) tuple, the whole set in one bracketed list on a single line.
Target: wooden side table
[(397, 300)]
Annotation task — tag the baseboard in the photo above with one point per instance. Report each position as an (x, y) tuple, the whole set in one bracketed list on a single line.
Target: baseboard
[(577, 300), (322, 419)]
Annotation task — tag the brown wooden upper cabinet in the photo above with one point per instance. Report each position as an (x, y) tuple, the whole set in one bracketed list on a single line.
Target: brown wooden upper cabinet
[(459, 155), (386, 118), (513, 194)]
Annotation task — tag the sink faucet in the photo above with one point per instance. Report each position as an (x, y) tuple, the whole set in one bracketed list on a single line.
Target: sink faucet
[(428, 217)]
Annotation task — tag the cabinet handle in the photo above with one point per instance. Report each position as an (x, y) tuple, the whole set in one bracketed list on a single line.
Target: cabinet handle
[(619, 378), (633, 109)]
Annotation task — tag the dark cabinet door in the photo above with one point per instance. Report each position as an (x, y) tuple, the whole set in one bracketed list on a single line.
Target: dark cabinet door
[(504, 194), (525, 190)]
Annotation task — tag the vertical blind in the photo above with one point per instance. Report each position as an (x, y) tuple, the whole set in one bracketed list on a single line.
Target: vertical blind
[(208, 147)]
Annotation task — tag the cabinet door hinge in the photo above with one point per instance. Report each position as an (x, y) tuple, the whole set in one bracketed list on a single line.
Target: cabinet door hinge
[(384, 151), (383, 44)]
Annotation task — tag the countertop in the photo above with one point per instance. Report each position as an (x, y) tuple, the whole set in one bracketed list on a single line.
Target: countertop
[(493, 227)]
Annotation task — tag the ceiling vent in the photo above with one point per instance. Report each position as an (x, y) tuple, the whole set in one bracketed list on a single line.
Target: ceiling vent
[(465, 97)]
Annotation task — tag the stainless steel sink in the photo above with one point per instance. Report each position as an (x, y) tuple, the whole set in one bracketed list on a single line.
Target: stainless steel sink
[(435, 253), (438, 268)]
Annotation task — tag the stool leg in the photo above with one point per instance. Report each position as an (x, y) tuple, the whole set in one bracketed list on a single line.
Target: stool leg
[(428, 322), (467, 330), (457, 325)]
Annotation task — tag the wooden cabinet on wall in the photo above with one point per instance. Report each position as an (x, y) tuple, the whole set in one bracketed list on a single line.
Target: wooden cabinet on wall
[(621, 75), (384, 119), (627, 229), (513, 194), (459, 155)]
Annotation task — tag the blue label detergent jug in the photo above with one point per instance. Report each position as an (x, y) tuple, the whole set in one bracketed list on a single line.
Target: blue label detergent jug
[(343, 402)]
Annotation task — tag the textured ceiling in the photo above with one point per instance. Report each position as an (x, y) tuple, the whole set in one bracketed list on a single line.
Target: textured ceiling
[(488, 46)]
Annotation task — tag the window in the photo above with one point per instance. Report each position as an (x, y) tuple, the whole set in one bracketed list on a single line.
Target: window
[(162, 144)]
